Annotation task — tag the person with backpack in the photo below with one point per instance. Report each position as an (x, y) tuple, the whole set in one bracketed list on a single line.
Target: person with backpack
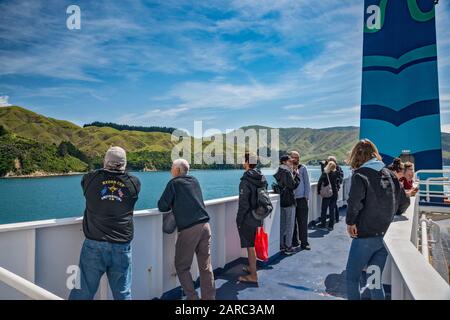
[(287, 182), (374, 199), (251, 212), (111, 194), (327, 188)]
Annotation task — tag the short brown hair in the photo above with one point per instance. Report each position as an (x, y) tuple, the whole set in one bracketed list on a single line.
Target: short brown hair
[(251, 159), (397, 165), (363, 151)]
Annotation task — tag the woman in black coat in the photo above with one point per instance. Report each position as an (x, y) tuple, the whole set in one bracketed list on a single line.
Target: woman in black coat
[(329, 175)]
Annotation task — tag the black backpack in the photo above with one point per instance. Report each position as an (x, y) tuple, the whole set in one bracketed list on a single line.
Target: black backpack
[(263, 204)]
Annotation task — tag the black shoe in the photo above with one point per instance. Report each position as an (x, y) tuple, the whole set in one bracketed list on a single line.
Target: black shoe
[(330, 228), (306, 247), (321, 226), (288, 252)]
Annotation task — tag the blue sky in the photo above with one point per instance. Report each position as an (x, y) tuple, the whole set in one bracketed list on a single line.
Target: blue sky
[(280, 63)]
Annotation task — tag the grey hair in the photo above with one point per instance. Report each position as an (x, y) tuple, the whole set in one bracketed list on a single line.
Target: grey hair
[(181, 164)]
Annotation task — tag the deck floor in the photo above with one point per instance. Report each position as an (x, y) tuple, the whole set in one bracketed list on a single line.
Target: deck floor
[(306, 275)]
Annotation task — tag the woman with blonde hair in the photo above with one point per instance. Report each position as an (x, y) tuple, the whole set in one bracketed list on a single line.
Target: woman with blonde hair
[(328, 188), (374, 198)]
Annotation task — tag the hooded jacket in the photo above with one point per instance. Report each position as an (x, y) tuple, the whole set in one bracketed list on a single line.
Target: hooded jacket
[(251, 180), (375, 196), (288, 183)]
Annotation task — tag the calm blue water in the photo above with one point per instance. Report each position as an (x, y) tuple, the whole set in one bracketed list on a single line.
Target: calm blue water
[(61, 197)]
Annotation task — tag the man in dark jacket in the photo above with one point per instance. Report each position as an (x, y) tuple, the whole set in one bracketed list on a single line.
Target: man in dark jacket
[(287, 183), (183, 196), (111, 194), (247, 225), (375, 196)]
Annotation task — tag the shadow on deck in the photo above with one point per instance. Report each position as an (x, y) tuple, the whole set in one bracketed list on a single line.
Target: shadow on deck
[(306, 275)]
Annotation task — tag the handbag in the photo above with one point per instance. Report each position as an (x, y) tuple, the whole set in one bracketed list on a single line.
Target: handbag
[(262, 244), (326, 191), (169, 224)]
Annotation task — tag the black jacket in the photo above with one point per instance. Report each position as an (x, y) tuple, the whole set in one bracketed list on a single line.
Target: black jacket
[(323, 164), (372, 202), (251, 180), (287, 183), (110, 199), (334, 179), (183, 196)]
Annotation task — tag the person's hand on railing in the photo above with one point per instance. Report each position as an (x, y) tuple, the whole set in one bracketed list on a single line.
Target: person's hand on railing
[(352, 230)]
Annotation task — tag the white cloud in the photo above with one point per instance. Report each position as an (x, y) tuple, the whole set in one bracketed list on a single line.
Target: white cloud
[(228, 95), (345, 111), (293, 106), (4, 101), (153, 114)]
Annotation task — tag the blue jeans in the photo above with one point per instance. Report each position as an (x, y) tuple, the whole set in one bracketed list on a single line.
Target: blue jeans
[(98, 257), (365, 252)]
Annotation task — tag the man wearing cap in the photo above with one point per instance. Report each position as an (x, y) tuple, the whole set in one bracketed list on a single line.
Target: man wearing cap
[(111, 194)]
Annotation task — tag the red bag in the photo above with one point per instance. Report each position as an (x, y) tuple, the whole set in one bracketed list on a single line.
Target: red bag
[(262, 244)]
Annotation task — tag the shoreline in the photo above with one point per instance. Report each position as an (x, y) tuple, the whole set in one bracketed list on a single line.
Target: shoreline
[(40, 174), (43, 175)]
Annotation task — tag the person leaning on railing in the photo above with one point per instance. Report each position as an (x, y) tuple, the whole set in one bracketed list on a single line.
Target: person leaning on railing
[(111, 194), (374, 199), (183, 196), (407, 180)]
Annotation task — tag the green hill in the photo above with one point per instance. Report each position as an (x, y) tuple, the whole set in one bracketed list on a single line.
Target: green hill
[(30, 142), (22, 156), (93, 141), (317, 144)]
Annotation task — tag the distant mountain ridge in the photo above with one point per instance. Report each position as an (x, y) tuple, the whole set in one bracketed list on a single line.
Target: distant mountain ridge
[(122, 127), (146, 150)]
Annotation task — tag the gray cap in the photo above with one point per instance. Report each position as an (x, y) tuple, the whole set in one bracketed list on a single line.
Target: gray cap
[(115, 159)]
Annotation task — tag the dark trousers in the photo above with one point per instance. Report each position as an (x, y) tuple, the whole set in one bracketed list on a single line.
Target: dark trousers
[(328, 204), (301, 223)]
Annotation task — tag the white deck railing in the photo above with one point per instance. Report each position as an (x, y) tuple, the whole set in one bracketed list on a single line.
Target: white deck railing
[(25, 287), (410, 275)]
